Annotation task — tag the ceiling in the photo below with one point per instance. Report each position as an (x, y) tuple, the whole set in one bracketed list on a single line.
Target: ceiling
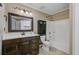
[(48, 8)]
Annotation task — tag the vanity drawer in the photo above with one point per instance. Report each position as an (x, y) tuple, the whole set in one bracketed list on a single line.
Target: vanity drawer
[(35, 40), (5, 42)]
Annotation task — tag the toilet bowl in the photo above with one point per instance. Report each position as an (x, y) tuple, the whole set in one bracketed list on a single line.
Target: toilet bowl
[(45, 44)]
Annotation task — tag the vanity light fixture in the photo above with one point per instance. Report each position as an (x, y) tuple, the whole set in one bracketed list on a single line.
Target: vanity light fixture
[(22, 11), (27, 12), (30, 13)]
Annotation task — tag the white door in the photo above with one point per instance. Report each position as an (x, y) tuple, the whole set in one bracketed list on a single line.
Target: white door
[(50, 32)]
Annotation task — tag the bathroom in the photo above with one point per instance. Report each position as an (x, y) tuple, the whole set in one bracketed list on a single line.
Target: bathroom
[(49, 23)]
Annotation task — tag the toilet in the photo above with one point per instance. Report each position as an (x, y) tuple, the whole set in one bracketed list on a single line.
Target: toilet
[(45, 44)]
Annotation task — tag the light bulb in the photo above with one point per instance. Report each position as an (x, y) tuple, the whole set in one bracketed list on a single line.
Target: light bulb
[(22, 11), (30, 13), (26, 12)]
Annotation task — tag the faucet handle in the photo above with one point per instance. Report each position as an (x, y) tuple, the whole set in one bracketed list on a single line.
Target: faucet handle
[(23, 33)]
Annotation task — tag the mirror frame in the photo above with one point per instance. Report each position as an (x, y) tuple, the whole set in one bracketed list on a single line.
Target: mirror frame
[(10, 25)]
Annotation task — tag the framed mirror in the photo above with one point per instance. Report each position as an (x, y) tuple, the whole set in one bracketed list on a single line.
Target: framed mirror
[(18, 23)]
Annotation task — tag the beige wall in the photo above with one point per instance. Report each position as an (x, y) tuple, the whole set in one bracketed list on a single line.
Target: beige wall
[(37, 15), (61, 15)]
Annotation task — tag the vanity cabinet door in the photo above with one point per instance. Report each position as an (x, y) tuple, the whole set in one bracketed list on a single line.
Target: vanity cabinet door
[(34, 45), (9, 47), (21, 46), (24, 47)]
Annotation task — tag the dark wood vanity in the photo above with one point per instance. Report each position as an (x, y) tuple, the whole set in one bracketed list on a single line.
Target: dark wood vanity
[(21, 46)]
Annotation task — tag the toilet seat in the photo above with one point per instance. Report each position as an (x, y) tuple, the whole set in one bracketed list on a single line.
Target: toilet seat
[(45, 44)]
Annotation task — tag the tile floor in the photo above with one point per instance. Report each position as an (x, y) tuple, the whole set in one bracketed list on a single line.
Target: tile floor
[(44, 52)]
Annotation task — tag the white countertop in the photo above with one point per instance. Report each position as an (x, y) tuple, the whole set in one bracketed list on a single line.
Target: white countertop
[(16, 35)]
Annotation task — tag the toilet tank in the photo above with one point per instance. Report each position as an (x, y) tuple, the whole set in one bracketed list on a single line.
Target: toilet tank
[(43, 38)]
